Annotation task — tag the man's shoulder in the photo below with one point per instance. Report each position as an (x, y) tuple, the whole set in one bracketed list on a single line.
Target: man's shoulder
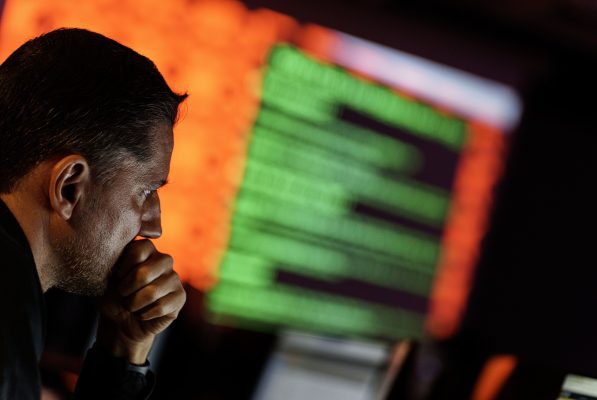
[(14, 246), (11, 246), (20, 291), (21, 322), (18, 358), (13, 242), (14, 259)]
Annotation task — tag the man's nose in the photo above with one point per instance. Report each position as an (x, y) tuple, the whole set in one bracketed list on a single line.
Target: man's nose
[(151, 221)]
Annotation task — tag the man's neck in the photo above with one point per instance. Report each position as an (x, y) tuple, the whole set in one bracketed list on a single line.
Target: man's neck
[(31, 222)]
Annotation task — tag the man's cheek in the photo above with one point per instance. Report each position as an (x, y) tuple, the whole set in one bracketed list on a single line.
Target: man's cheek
[(129, 230)]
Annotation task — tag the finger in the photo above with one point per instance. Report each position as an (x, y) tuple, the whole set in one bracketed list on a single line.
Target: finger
[(168, 305), (159, 264), (153, 292), (136, 252)]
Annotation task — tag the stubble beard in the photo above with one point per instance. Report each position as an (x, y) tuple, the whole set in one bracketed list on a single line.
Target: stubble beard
[(86, 260), (85, 269)]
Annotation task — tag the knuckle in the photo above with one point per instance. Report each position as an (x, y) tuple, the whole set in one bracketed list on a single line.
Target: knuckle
[(167, 260), (141, 250), (143, 275), (182, 297), (173, 279), (131, 304), (149, 246), (159, 308), (151, 292), (136, 256)]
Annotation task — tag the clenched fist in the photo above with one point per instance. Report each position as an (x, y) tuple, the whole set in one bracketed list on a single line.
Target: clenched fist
[(144, 296)]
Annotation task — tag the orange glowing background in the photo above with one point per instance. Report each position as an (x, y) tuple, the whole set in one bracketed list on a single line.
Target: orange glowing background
[(212, 49), (216, 51)]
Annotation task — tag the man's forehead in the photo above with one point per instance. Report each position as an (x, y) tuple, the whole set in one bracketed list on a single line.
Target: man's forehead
[(162, 143), (164, 138), (155, 169)]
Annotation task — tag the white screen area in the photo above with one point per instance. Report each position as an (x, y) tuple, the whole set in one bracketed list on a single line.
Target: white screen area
[(318, 368), (579, 388)]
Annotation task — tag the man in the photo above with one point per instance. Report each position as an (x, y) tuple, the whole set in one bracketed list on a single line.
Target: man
[(85, 142)]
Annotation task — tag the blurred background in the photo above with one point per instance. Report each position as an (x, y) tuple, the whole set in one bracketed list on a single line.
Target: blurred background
[(381, 199)]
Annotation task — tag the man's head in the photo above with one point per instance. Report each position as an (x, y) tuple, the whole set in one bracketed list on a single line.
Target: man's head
[(86, 128)]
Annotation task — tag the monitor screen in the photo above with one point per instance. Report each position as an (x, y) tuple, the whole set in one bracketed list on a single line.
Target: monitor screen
[(319, 181), (367, 187), (577, 387)]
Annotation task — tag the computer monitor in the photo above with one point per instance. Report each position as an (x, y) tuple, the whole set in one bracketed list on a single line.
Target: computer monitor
[(366, 191), (577, 387), (325, 182)]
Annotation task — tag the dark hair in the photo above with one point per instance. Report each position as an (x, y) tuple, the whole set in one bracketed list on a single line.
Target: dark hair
[(72, 91)]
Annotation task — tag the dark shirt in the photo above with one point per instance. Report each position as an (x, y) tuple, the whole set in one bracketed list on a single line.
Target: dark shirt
[(22, 332)]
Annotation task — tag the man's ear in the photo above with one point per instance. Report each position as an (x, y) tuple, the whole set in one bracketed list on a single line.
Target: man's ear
[(69, 178)]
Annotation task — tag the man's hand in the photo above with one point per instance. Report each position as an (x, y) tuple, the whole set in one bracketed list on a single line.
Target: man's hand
[(143, 297)]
